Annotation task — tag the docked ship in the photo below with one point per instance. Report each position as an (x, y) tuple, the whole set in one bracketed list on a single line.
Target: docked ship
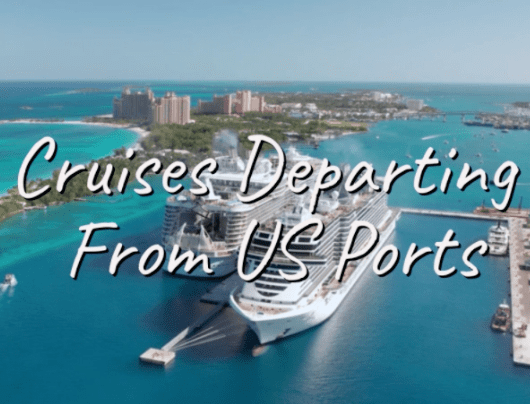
[(215, 224), (501, 320), (275, 308), (498, 239)]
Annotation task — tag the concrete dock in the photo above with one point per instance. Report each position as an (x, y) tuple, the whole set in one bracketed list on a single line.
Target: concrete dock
[(218, 298), (452, 213), (157, 356), (221, 292), (520, 290)]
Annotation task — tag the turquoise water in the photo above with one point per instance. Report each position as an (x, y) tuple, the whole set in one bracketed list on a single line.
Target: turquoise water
[(394, 339), (77, 143)]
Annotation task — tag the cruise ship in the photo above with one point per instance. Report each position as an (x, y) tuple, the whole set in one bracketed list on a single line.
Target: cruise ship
[(498, 239), (275, 308), (215, 224)]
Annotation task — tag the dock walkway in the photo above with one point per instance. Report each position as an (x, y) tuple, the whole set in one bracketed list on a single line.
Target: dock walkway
[(452, 213), (217, 296), (520, 290)]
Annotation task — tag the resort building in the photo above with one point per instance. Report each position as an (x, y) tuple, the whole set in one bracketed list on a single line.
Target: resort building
[(274, 109), (219, 105), (242, 102), (133, 105), (171, 109), (415, 105), (144, 106)]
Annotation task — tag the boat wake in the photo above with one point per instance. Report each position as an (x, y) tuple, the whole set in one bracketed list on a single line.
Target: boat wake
[(434, 136), (207, 335)]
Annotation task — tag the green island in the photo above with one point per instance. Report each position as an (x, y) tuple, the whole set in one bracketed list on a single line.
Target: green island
[(187, 143), (372, 105), (197, 137)]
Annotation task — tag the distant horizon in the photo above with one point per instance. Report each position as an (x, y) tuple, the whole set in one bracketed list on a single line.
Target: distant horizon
[(278, 82), (415, 41)]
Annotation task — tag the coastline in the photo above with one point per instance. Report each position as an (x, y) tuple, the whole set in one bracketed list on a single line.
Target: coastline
[(142, 133)]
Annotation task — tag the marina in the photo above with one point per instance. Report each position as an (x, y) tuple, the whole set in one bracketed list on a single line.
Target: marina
[(219, 297)]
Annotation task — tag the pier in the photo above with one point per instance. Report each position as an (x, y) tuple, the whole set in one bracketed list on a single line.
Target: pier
[(519, 278), (218, 297), (451, 213), (520, 291)]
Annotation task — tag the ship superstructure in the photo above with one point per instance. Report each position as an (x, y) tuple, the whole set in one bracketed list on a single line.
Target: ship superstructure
[(274, 307), (215, 224)]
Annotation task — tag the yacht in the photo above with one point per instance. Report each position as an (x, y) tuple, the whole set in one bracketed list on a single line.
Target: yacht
[(275, 308), (9, 281), (501, 320), (498, 239)]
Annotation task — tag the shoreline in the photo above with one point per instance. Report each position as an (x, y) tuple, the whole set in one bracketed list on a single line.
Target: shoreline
[(142, 133)]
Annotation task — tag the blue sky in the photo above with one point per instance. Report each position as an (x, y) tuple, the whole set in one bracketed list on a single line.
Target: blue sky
[(343, 40)]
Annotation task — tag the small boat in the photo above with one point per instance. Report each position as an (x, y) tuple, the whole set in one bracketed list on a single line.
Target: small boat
[(501, 320), (505, 131), (9, 281), (408, 156), (478, 155), (446, 141)]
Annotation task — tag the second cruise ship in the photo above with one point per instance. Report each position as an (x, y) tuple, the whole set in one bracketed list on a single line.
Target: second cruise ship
[(215, 224)]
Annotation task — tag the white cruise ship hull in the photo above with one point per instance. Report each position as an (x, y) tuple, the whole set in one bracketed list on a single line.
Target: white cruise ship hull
[(277, 326), (221, 267)]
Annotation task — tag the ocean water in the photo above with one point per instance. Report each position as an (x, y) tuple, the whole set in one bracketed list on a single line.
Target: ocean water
[(394, 339), (78, 144)]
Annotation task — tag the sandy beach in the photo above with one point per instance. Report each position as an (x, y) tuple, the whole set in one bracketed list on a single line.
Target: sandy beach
[(142, 133)]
